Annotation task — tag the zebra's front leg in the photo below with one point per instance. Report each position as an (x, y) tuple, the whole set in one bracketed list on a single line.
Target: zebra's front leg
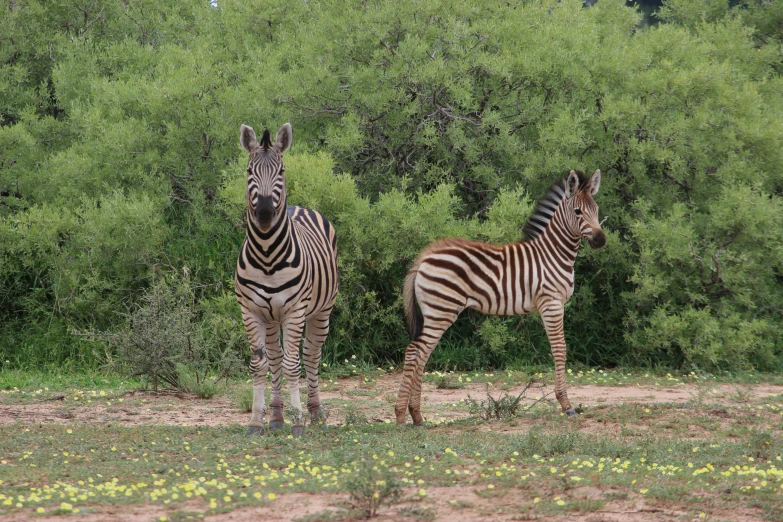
[(552, 314), (292, 370), (259, 367), (317, 328), (275, 354)]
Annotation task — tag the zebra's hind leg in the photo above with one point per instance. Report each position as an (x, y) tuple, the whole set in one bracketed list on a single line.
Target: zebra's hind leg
[(414, 403), (437, 320), (275, 354), (408, 372), (552, 314), (316, 330)]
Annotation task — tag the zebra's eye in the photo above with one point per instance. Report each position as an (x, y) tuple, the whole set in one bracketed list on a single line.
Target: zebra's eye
[(578, 211)]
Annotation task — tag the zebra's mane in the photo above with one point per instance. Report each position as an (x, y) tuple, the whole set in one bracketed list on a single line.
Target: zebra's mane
[(266, 140), (546, 207)]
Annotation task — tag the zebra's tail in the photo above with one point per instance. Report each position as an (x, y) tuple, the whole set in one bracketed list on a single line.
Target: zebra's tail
[(412, 315)]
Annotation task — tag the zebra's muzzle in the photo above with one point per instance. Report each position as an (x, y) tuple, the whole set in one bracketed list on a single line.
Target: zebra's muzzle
[(598, 240), (264, 212)]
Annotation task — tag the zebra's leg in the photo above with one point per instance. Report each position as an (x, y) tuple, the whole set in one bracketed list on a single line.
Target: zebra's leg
[(292, 336), (414, 404), (259, 367), (317, 328), (275, 354), (416, 355), (552, 314)]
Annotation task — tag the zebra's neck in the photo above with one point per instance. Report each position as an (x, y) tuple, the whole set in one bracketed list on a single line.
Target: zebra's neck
[(270, 250), (558, 239)]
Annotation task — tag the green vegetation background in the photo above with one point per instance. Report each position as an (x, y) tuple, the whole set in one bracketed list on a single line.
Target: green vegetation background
[(120, 165)]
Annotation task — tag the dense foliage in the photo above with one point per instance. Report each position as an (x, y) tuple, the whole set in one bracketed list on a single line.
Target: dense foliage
[(120, 164)]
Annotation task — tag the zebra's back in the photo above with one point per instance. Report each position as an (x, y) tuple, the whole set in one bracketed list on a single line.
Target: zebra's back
[(493, 279)]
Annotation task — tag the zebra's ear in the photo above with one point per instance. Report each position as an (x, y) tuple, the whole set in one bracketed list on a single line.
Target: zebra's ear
[(284, 138), (595, 182), (247, 138), (571, 184)]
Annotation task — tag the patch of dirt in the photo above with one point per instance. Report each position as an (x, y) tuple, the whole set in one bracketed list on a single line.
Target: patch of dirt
[(139, 408), (458, 503)]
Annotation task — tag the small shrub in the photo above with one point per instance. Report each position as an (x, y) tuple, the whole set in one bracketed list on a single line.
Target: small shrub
[(244, 399), (202, 386), (504, 407), (353, 416), (165, 344), (370, 489), (446, 383)]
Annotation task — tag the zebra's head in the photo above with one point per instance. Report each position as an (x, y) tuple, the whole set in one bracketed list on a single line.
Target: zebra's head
[(581, 211), (265, 194)]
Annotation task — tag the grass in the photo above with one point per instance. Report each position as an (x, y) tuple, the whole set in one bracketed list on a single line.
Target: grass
[(709, 455)]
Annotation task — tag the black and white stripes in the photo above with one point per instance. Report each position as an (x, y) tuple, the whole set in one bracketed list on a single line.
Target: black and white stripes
[(536, 275), (286, 282)]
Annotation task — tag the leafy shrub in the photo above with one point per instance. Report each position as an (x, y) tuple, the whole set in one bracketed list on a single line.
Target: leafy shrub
[(166, 345), (504, 407), (120, 164), (369, 489)]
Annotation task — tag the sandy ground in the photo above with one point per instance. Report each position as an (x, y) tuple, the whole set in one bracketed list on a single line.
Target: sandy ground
[(453, 504), (375, 400), (376, 403)]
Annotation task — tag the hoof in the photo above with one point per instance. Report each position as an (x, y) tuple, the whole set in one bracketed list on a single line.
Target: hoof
[(297, 431), (255, 430), (571, 412), (276, 425)]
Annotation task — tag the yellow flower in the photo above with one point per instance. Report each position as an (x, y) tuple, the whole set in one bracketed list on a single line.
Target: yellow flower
[(422, 492), (40, 510), (536, 500), (271, 496), (490, 486)]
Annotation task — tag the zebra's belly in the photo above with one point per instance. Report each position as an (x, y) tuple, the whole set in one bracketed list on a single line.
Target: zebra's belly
[(503, 307)]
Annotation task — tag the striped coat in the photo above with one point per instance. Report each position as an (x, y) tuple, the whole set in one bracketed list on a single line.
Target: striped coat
[(451, 275), (286, 282)]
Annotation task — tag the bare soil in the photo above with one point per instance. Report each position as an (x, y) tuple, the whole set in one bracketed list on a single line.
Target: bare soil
[(139, 408), (454, 504), (375, 399)]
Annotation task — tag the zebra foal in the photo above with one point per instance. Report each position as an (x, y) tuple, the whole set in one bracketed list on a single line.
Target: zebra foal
[(451, 275), (286, 282)]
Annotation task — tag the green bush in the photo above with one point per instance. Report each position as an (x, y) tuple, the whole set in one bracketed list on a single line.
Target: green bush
[(119, 164), (166, 345)]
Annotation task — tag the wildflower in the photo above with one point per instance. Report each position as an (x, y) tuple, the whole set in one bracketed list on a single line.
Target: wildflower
[(422, 493), (271, 496)]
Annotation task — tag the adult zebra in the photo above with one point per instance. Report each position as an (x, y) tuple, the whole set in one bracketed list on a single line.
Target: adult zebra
[(535, 275), (286, 279)]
